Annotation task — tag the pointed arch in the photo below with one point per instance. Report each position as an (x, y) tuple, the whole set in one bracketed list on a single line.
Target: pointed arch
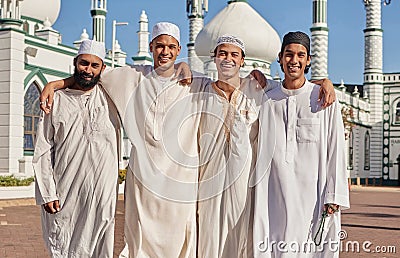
[(31, 115), (35, 75)]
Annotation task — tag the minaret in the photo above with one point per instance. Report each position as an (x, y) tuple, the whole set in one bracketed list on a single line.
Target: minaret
[(373, 83), (195, 10), (98, 12), (143, 56), (319, 40), (10, 15)]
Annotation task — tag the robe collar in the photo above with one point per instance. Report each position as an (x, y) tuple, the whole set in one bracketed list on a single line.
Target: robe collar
[(295, 92)]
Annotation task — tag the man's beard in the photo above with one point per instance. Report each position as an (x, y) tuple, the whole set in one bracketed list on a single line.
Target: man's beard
[(80, 79)]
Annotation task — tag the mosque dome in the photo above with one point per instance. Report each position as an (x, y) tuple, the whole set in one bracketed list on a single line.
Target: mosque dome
[(41, 9), (238, 18)]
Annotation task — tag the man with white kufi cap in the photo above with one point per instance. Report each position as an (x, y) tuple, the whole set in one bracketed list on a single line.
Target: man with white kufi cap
[(223, 217), (161, 119), (76, 165)]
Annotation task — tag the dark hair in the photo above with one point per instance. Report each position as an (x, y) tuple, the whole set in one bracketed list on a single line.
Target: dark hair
[(297, 37)]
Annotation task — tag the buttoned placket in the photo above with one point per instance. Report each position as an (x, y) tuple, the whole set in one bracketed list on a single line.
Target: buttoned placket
[(83, 101), (291, 128), (159, 109)]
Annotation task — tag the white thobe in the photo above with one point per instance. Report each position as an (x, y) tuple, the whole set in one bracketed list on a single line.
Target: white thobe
[(75, 161), (307, 171), (161, 119), (228, 145)]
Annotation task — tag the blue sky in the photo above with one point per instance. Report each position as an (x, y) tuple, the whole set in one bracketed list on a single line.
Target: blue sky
[(346, 21)]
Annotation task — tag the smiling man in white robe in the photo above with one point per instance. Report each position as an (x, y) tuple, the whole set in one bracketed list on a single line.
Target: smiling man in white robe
[(228, 134), (301, 192), (76, 165), (161, 119)]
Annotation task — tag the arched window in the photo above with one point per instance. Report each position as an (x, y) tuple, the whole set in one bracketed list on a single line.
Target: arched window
[(31, 116), (350, 153), (367, 146), (397, 114)]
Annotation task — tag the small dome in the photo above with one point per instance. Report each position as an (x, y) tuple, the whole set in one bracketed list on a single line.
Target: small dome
[(41, 9), (47, 23), (240, 19), (143, 17), (84, 35)]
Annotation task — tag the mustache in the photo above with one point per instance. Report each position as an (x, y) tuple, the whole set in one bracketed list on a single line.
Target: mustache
[(84, 74), (81, 78)]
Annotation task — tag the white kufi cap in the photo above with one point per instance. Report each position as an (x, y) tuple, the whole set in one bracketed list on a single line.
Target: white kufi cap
[(230, 39), (93, 47), (166, 28)]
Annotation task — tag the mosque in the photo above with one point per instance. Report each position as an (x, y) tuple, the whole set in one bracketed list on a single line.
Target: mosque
[(371, 111)]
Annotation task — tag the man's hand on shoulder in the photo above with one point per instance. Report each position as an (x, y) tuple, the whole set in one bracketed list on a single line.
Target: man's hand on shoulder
[(326, 92), (183, 73), (259, 77), (47, 96)]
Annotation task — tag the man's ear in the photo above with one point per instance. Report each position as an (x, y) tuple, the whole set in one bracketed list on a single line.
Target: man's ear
[(151, 46), (279, 58), (179, 50), (309, 60)]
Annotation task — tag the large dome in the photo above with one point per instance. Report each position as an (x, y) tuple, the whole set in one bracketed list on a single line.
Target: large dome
[(240, 19), (41, 9)]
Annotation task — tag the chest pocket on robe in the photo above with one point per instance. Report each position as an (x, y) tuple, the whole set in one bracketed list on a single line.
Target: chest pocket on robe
[(101, 120), (307, 130)]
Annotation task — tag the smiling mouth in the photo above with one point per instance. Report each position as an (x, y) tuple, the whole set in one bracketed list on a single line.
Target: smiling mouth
[(293, 68), (227, 65), (164, 59), (87, 77)]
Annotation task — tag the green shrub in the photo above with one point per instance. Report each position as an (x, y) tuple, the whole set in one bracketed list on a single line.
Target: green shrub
[(121, 175), (13, 181)]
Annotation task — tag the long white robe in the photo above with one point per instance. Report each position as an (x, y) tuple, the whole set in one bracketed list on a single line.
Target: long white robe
[(161, 119), (75, 161), (307, 171), (228, 146)]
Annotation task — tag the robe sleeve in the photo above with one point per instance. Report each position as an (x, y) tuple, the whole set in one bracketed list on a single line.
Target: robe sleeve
[(337, 190), (43, 161), (120, 83)]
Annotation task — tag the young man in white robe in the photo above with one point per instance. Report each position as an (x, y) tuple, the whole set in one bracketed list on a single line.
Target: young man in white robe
[(301, 191), (229, 115), (76, 165)]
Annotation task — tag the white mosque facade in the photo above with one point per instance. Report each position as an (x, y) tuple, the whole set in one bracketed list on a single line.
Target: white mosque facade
[(32, 54)]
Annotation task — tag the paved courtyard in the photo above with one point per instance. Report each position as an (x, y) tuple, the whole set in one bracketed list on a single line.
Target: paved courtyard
[(371, 228)]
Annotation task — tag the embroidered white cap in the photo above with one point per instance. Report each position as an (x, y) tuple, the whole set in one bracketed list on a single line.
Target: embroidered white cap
[(93, 47), (166, 28), (230, 39)]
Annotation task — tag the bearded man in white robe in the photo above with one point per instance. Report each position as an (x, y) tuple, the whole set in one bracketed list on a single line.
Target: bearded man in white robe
[(76, 165), (299, 193)]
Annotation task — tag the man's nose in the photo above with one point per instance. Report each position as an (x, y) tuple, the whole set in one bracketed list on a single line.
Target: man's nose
[(166, 50)]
